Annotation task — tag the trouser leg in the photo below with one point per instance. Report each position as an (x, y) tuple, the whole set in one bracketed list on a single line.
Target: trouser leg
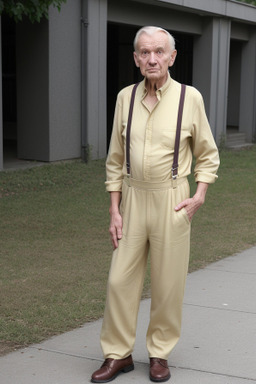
[(169, 250), (148, 216), (126, 278)]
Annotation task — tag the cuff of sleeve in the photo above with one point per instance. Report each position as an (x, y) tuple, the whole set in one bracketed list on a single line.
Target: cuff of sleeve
[(208, 178), (114, 186)]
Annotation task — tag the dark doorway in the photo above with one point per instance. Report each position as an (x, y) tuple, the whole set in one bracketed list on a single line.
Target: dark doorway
[(182, 70), (121, 70), (234, 85), (9, 87)]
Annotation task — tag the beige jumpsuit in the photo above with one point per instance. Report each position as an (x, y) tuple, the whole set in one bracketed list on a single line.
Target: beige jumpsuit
[(150, 224)]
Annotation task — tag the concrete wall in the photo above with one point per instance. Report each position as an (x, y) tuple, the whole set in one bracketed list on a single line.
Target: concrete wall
[(210, 71), (202, 66), (62, 104), (247, 119), (129, 12), (49, 86), (222, 8), (95, 78), (65, 81)]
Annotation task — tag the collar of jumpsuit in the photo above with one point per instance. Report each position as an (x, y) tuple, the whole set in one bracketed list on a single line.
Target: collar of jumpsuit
[(160, 91)]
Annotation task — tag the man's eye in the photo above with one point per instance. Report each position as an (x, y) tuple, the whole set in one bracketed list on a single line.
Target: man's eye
[(144, 53), (159, 52)]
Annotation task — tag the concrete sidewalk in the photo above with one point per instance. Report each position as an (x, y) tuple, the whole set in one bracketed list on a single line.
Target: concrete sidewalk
[(217, 346)]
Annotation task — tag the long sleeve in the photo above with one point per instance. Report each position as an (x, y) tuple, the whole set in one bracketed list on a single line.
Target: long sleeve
[(116, 154), (203, 146)]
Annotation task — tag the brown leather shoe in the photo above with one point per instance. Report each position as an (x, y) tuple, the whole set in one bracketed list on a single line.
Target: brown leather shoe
[(159, 370), (111, 368)]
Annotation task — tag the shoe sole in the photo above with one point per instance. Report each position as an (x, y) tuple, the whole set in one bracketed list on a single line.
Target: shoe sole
[(129, 368), (160, 380)]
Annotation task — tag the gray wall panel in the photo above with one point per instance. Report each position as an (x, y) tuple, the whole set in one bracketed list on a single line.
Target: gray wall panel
[(210, 71), (240, 31), (248, 87), (96, 78), (65, 81), (140, 14), (228, 8)]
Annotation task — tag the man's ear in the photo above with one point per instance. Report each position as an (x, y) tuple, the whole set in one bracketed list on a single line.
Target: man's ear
[(136, 59), (172, 58)]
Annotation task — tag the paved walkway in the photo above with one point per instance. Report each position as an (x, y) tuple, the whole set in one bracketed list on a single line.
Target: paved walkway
[(217, 346)]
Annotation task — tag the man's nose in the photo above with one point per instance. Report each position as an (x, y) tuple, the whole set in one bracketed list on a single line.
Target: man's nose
[(152, 58)]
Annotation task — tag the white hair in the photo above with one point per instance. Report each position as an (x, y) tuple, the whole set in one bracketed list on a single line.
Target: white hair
[(150, 30)]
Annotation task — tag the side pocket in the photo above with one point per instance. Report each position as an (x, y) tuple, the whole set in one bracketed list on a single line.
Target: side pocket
[(185, 215)]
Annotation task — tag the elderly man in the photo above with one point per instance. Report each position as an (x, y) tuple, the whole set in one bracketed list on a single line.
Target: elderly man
[(150, 207)]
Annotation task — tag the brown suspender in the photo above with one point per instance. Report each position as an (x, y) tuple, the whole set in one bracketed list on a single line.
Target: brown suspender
[(128, 130), (175, 164)]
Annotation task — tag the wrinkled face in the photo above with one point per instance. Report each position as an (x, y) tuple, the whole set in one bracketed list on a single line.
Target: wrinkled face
[(154, 55)]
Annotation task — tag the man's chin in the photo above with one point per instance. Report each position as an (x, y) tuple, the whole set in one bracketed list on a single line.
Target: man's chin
[(152, 76)]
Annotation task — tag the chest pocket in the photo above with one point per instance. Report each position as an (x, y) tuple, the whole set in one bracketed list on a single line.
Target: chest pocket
[(168, 138)]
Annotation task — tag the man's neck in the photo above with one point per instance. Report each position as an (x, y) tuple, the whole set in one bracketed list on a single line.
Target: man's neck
[(153, 86)]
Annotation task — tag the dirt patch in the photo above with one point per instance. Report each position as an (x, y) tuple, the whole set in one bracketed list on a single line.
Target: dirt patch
[(7, 347)]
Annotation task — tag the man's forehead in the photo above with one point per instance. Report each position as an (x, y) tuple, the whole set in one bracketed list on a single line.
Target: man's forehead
[(159, 39)]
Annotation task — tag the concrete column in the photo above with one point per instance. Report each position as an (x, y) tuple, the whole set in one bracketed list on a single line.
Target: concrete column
[(210, 72), (247, 121), (49, 85), (65, 81), (1, 97), (94, 131)]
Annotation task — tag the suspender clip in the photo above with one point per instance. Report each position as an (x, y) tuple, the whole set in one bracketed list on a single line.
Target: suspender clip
[(174, 177), (127, 178), (174, 173)]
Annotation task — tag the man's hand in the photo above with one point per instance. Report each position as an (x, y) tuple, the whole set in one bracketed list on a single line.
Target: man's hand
[(115, 228), (192, 204), (116, 221)]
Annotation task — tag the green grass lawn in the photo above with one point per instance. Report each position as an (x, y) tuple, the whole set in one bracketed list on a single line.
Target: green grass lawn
[(55, 250)]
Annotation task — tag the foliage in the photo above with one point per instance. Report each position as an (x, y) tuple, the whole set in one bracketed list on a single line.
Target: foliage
[(252, 2), (33, 9)]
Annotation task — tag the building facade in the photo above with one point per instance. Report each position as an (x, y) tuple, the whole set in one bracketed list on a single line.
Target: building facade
[(60, 77)]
